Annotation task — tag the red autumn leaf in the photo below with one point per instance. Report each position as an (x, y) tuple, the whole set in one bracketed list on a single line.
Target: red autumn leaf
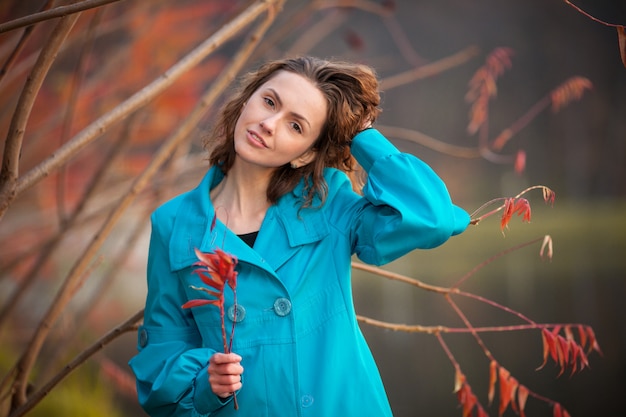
[(577, 355), (522, 396), (519, 206), (221, 267), (505, 390), (513, 385), (509, 204), (559, 411), (621, 36), (198, 302), (212, 280), (493, 369), (549, 347), (466, 397), (470, 402), (522, 207), (582, 333), (582, 356), (592, 342), (563, 352)]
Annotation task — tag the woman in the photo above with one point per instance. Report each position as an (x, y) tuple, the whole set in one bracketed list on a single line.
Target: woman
[(287, 211)]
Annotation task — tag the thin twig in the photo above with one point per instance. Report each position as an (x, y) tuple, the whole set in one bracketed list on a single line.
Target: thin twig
[(521, 123), (402, 278), (60, 11), (416, 328), (492, 259), (128, 326), (429, 70), (20, 45), (469, 326), (429, 142), (595, 19)]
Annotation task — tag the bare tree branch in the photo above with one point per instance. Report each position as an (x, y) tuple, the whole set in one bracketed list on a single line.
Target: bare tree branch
[(60, 11), (20, 44), (26, 362), (128, 326), (136, 101), (13, 146), (429, 70)]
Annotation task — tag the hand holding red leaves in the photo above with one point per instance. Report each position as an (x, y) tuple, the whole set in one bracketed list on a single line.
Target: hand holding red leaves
[(217, 270)]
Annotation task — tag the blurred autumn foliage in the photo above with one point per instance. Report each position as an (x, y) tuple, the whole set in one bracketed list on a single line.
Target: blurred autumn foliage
[(101, 106)]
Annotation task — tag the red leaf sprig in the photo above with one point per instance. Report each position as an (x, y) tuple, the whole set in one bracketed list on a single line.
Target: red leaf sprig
[(519, 206), (217, 270), (566, 350), (511, 206), (466, 397)]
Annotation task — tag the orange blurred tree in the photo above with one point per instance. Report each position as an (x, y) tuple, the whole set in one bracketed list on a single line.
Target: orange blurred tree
[(100, 96)]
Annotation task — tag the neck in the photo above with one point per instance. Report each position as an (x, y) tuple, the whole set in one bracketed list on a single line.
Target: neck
[(240, 200)]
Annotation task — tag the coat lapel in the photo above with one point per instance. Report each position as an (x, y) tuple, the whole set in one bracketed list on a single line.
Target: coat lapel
[(284, 231)]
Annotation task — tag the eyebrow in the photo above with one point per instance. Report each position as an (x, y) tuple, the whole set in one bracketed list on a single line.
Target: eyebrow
[(294, 114)]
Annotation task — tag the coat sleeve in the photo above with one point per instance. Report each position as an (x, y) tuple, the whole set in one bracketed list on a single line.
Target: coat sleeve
[(405, 204), (171, 365)]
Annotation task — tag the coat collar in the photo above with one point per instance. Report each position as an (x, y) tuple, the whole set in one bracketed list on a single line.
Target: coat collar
[(283, 233)]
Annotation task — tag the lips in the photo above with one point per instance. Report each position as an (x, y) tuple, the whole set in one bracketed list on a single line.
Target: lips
[(255, 137)]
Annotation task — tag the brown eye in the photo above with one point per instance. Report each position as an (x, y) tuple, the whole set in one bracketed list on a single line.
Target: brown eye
[(295, 126)]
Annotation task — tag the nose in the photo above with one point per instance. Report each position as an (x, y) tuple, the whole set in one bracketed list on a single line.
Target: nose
[(269, 124)]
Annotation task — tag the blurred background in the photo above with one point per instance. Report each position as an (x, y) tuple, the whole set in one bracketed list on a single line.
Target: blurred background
[(426, 53)]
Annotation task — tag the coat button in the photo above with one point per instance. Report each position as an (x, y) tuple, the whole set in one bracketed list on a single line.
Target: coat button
[(306, 400), (240, 313), (282, 306), (143, 338)]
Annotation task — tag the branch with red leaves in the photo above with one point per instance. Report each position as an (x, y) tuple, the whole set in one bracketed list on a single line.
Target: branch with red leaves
[(567, 345), (483, 88), (512, 205), (217, 270)]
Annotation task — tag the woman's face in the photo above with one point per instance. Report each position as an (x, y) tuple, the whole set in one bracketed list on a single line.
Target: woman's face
[(280, 122)]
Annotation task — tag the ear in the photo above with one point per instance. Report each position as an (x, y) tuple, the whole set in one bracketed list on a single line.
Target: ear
[(304, 159)]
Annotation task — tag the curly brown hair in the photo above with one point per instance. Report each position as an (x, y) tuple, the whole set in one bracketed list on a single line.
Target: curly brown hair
[(353, 97)]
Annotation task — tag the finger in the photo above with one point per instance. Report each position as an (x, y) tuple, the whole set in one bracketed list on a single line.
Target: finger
[(224, 386), (223, 358), (226, 369)]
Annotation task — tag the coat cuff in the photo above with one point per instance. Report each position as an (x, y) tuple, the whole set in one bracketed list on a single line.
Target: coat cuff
[(370, 145), (204, 400)]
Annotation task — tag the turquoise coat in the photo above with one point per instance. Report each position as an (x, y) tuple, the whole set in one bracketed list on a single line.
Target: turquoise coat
[(303, 352)]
